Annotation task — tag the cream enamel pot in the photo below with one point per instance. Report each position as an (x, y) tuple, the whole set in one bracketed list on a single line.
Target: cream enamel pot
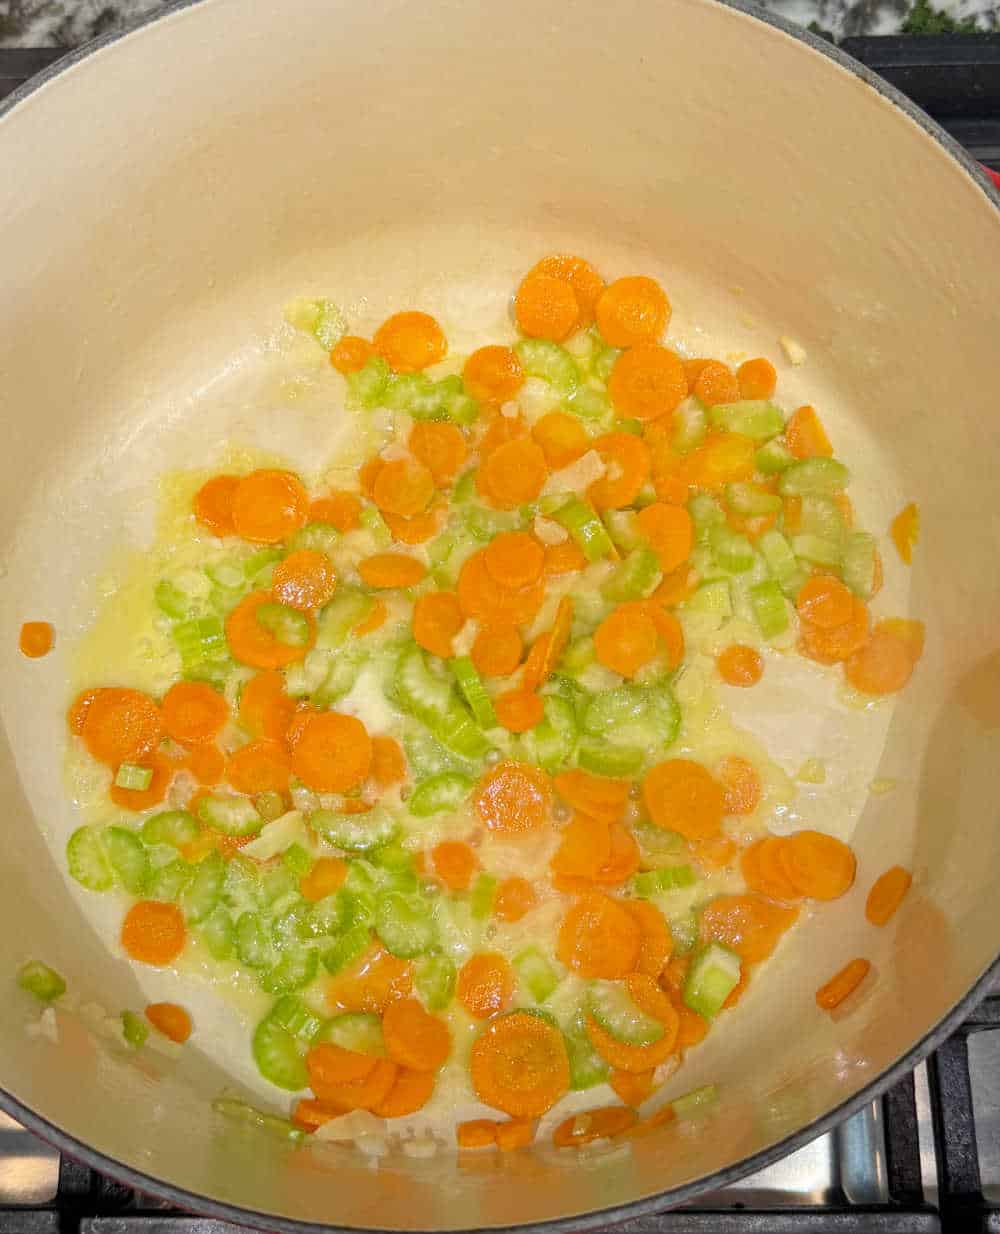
[(164, 194)]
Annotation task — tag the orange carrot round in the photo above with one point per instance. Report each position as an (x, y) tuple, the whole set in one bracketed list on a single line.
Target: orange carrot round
[(587, 284), (146, 798), (598, 796), (375, 620), (519, 1065), (496, 651), (514, 898), (842, 984), (832, 646), (762, 870), (590, 1125), (546, 307), (632, 1087), (825, 602), (671, 633), (818, 865), (515, 559), (437, 618), (351, 354), (562, 438), (339, 509), (493, 374), (253, 644), (599, 938), (333, 752), (410, 342), (740, 665), (757, 378), (513, 798), (519, 710), (120, 725), (485, 985), (389, 570), (584, 847), (410, 1092), (403, 486), (371, 983), (632, 310), (455, 863), (261, 767), (647, 382), (627, 460), (657, 942), (413, 1037), (265, 708), (514, 472), (206, 762), (716, 384), (326, 876), (805, 435), (747, 924), (153, 932), (476, 1133), (440, 447), (305, 579), (724, 458), (170, 1020), (885, 663), (681, 795), (269, 506), (193, 712), (482, 597), (388, 762), (213, 504), (670, 533), (415, 530), (36, 639), (565, 558), (887, 894), (740, 782), (626, 640)]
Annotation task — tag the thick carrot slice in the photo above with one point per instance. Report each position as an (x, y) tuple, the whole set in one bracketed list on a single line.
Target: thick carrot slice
[(887, 894), (455, 863), (805, 435), (657, 942), (905, 529), (670, 533), (265, 708), (648, 996), (305, 579), (332, 753), (724, 458), (371, 983), (517, 1133), (346, 1080), (604, 1124), (351, 354), (671, 633), (740, 784), (416, 530), (515, 559), (324, 878), (376, 618), (145, 798), (519, 1065), (437, 618), (389, 570), (585, 846), (514, 798), (757, 378), (409, 342), (413, 1037), (599, 938), (252, 644), (388, 762), (632, 310), (493, 375), (587, 284), (515, 472), (546, 307), (206, 762), (339, 509), (193, 712), (676, 587), (499, 430), (153, 932), (747, 924), (519, 710), (715, 853), (647, 382), (120, 725), (825, 602), (368, 474), (269, 506), (681, 795), (839, 643), (482, 597), (513, 899), (496, 651), (36, 639), (404, 487), (632, 1087), (309, 1115), (715, 383), (624, 860), (410, 1092), (740, 665), (626, 640), (627, 460), (598, 796), (213, 504), (886, 662), (476, 1133), (842, 984), (762, 870), (485, 985), (818, 865), (170, 1020), (261, 767), (440, 447), (562, 438), (565, 558)]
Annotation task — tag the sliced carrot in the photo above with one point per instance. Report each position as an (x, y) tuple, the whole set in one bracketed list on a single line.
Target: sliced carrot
[(145, 798), (692, 1028), (671, 634), (493, 375), (441, 448), (839, 643), (482, 597), (649, 1126), (657, 942), (887, 894), (562, 438), (584, 1128), (791, 515), (413, 1037), (513, 899), (265, 708), (263, 766), (627, 461), (437, 618), (36, 639), (340, 510), (76, 713), (519, 710), (119, 725), (565, 558), (476, 1133), (740, 784), (739, 989), (499, 430), (648, 996), (371, 983), (546, 307), (676, 587), (584, 847), (513, 798), (193, 712), (692, 368), (818, 865), (547, 649), (455, 863), (519, 1065), (388, 762), (309, 1115), (647, 382), (346, 1080), (757, 378), (624, 860), (213, 504), (825, 602), (170, 1020), (681, 795), (633, 1087), (598, 796), (252, 644), (416, 530), (843, 504), (351, 354), (905, 529), (206, 762), (410, 342), (269, 506), (485, 985), (410, 1092), (670, 533), (724, 458), (389, 570), (740, 665), (842, 984), (403, 486), (762, 870), (369, 473), (714, 853), (517, 1133), (626, 640), (496, 651), (153, 932), (886, 662), (675, 973), (747, 924), (632, 310), (587, 284), (716, 384), (332, 753), (304, 580), (805, 435), (599, 938), (377, 616), (515, 559), (515, 472), (324, 878)]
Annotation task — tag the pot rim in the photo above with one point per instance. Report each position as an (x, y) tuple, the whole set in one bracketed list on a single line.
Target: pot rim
[(192, 1201)]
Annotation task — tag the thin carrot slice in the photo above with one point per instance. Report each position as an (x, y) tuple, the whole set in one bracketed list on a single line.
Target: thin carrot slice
[(371, 983), (626, 640), (76, 713), (825, 602), (513, 899), (839, 643), (410, 1092), (499, 430), (647, 382), (562, 438), (348, 1080), (368, 474), (193, 712), (515, 472), (496, 651), (681, 795), (326, 876), (440, 447), (206, 762), (153, 932), (651, 999), (587, 284), (269, 506), (339, 509), (716, 383), (670, 533), (476, 1133), (692, 368), (332, 753), (455, 863), (624, 859), (485, 985), (627, 461), (170, 1020), (154, 793), (565, 558), (519, 710), (724, 458), (676, 587), (389, 570), (740, 784), (388, 762), (252, 644), (740, 665), (747, 924), (657, 942), (519, 1065), (265, 708), (805, 435), (584, 847), (437, 618), (715, 853), (36, 639), (413, 1037), (261, 767), (887, 894), (309, 1115), (886, 662), (305, 579), (213, 504), (515, 559), (598, 796), (757, 378), (351, 354), (905, 530), (493, 375), (818, 865), (120, 725), (671, 633), (410, 342), (517, 1133), (376, 618), (762, 870), (842, 984), (513, 798), (404, 487), (632, 1087), (675, 973), (584, 1128), (632, 310), (599, 938), (546, 307), (482, 597), (416, 530)]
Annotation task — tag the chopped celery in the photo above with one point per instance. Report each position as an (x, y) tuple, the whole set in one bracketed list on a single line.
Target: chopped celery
[(228, 575), (770, 608), (270, 805), (327, 917), (341, 675), (778, 555), (589, 404), (684, 931), (582, 523), (204, 891), (415, 394), (219, 933), (239, 1111), (421, 692), (320, 317), (358, 1031), (550, 744), (349, 947), (696, 1102), (174, 827), (131, 776), (483, 524), (465, 487), (435, 982), (128, 858), (751, 500), (38, 979), (172, 601), (772, 458), (604, 759), (280, 1055), (706, 513), (817, 550), (535, 973), (690, 426), (481, 896), (355, 833), (756, 418), (586, 1067), (610, 1005), (168, 882), (712, 977), (550, 362), (292, 1014), (289, 626), (405, 924), (580, 654), (88, 861), (655, 843), (623, 528), (635, 427), (366, 387), (861, 564), (713, 598), (604, 361), (645, 717), (474, 692), (297, 860), (319, 537), (665, 878), (814, 475), (635, 577), (821, 517), (295, 970), (457, 730), (347, 608), (731, 551), (134, 1029), (442, 792), (252, 944), (236, 816), (200, 641)]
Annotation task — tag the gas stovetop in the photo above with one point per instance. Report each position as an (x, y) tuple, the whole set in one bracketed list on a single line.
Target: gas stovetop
[(923, 1159)]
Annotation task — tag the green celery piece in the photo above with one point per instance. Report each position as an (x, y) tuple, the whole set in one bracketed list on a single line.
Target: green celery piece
[(446, 791), (732, 552), (770, 609), (714, 598), (550, 362), (756, 418), (134, 1029), (635, 577), (435, 982), (690, 425), (814, 475), (712, 977), (481, 896), (38, 979), (367, 387), (773, 458)]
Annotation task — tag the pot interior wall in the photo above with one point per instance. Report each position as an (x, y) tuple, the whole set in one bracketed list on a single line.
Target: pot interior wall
[(171, 192)]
